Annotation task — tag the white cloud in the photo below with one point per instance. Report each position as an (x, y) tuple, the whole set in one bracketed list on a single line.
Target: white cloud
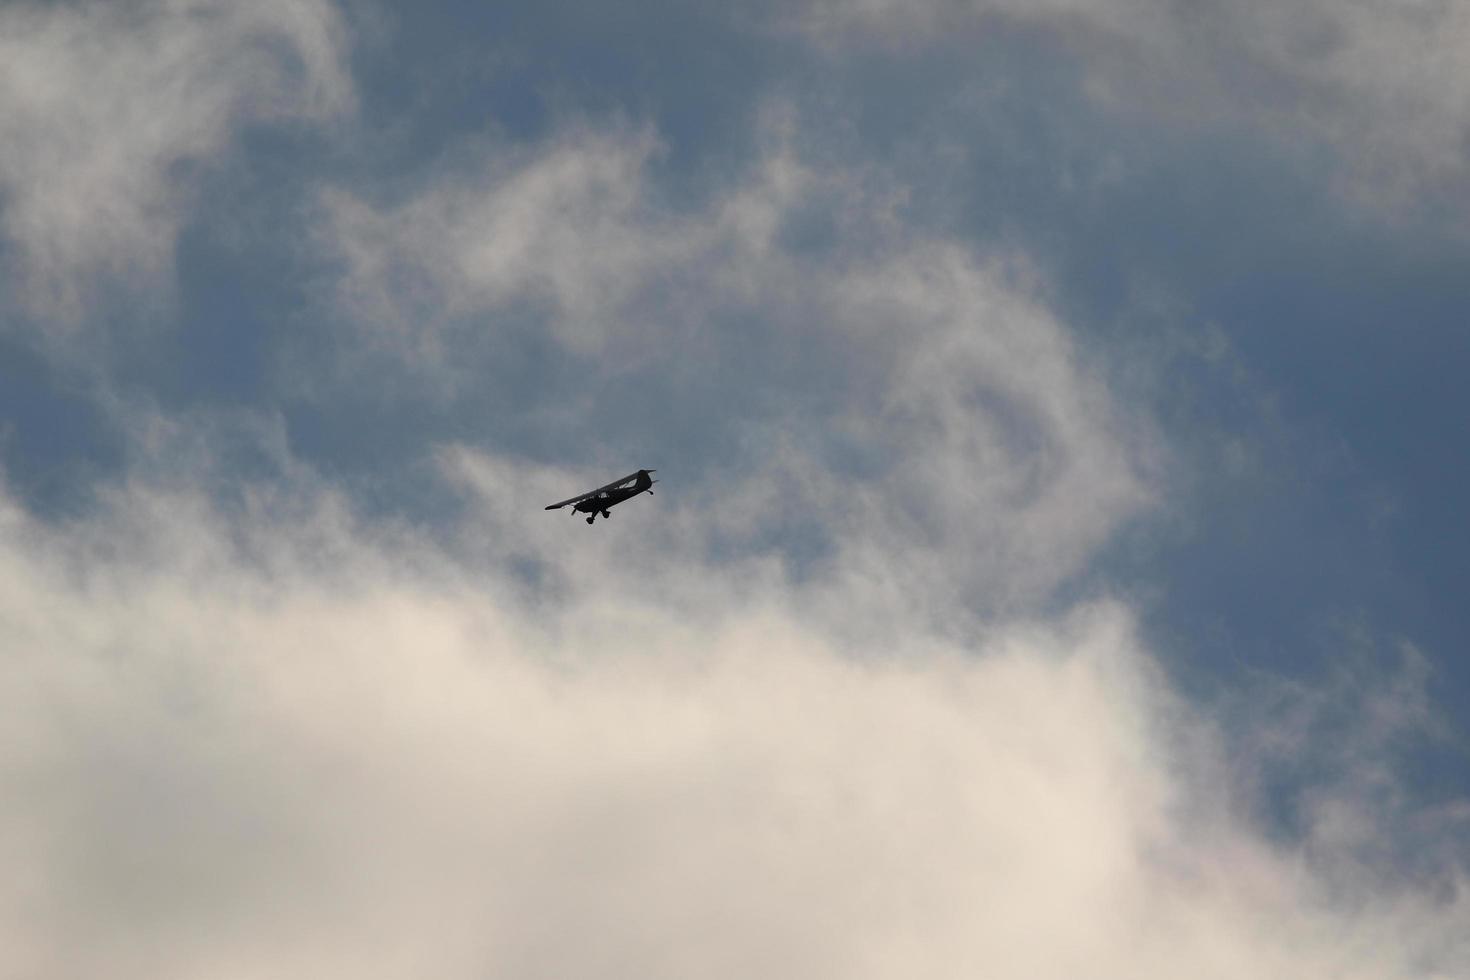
[(299, 746), (105, 106), (1383, 85)]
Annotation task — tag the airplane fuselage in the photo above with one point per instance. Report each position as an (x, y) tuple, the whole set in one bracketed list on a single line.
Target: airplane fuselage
[(606, 499)]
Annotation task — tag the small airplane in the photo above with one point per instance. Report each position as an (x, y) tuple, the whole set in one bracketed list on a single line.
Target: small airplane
[(595, 502)]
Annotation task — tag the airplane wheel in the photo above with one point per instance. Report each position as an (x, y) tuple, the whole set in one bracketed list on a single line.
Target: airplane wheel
[(592, 518)]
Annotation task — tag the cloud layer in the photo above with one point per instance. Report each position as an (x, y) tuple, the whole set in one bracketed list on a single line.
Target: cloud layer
[(288, 742)]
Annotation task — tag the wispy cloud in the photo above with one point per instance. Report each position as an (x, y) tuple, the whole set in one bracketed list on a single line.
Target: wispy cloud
[(1381, 87), (951, 437), (106, 107)]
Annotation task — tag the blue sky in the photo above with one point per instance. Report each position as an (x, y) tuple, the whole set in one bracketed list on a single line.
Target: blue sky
[(1057, 408)]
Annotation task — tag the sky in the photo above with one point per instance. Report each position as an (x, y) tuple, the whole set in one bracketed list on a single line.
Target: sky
[(1057, 562)]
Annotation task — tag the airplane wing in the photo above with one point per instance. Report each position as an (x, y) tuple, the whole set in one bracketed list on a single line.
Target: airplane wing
[(592, 493), (571, 500)]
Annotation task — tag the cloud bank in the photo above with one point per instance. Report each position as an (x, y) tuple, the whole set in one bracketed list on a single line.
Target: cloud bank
[(284, 741)]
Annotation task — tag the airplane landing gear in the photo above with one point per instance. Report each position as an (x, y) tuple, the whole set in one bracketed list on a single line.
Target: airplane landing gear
[(592, 518), (606, 515)]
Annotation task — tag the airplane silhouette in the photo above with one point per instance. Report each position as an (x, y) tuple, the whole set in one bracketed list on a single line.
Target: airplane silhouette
[(595, 502)]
